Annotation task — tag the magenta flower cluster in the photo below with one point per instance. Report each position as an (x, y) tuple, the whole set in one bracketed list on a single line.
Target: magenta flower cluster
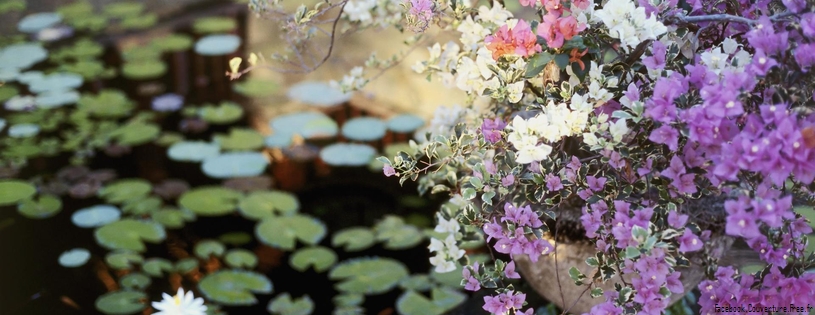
[(774, 292), (514, 241)]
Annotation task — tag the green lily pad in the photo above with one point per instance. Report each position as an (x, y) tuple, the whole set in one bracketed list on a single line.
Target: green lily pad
[(123, 9), (157, 267), (108, 103), (241, 258), (142, 53), (169, 138), (93, 23), (396, 234), (368, 275), (122, 302), (23, 130), (405, 123), (15, 191), (284, 305), (206, 248), (144, 69), (214, 25), (137, 281), (257, 88), (88, 69), (349, 310), (416, 282), (126, 189), (318, 94), (95, 216), (210, 201), (186, 265), (443, 300), (282, 232), (45, 207), (451, 279), (76, 257), (123, 259), (347, 154), (240, 139), (262, 204), (54, 99), (235, 238), (173, 43), (7, 92), (12, 6), (139, 22), (225, 113), (308, 125), (234, 288), (193, 151), (135, 133), (235, 165), (217, 45), (129, 234), (76, 10), (349, 299), (319, 257), (354, 239), (169, 218), (22, 56), (364, 129), (38, 21), (82, 49), (142, 206), (55, 82)]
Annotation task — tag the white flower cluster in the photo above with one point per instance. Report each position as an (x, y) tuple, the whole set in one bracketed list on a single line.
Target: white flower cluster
[(482, 76), (629, 23), (351, 82), (374, 12), (447, 251), (719, 58), (554, 123)]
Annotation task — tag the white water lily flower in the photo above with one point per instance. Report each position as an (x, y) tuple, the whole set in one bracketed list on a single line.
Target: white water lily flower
[(446, 226), (180, 304)]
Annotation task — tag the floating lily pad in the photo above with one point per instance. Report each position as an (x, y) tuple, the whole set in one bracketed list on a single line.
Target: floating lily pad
[(284, 305), (234, 288), (210, 201), (193, 151), (320, 94), (349, 310), (240, 139), (7, 92), (141, 206), (12, 6), (35, 22), (349, 299), (255, 88), (282, 232), (23, 130), (347, 154), (22, 56), (241, 258), (235, 238), (144, 69), (139, 22), (186, 265), (169, 138), (54, 99), (82, 49), (157, 267), (93, 23), (217, 45), (125, 189), (96, 216), (405, 123), (129, 234), (123, 9), (206, 248), (135, 133), (354, 239), (108, 103), (76, 257), (123, 259), (45, 206), (319, 257), (416, 283), (262, 204), (137, 281), (169, 218), (55, 82), (214, 24), (173, 43), (15, 191), (443, 300), (142, 53), (368, 275), (396, 234), (451, 279), (278, 141), (88, 69), (122, 302), (224, 113), (364, 129), (235, 164), (306, 124)]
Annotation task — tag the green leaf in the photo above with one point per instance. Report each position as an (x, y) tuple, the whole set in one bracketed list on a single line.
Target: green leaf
[(135, 133), (282, 232), (241, 258), (121, 302), (225, 113), (256, 88), (235, 238), (170, 218), (487, 197), (234, 288), (353, 239), (349, 299), (368, 275), (15, 191), (632, 252), (137, 281), (262, 204), (419, 282), (562, 60), (451, 279), (284, 305), (107, 104), (44, 207), (206, 248), (186, 265), (210, 200), (576, 275), (468, 193), (443, 300), (639, 234), (142, 206), (156, 267), (123, 259), (129, 234), (396, 234), (536, 64), (320, 257), (240, 139), (123, 190)]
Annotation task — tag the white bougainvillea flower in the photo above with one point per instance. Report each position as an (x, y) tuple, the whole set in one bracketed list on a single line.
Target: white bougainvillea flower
[(446, 226), (180, 304)]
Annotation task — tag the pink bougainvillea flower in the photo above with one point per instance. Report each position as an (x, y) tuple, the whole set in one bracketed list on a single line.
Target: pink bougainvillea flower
[(513, 39), (549, 30), (420, 15)]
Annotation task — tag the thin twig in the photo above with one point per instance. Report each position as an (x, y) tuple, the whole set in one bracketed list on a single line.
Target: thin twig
[(682, 19)]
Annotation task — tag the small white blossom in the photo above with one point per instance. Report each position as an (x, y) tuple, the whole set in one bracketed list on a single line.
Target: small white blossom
[(180, 304), (446, 226)]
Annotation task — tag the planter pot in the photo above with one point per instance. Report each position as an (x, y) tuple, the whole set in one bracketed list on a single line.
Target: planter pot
[(543, 276)]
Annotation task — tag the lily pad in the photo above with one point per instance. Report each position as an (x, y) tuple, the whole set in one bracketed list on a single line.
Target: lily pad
[(142, 206), (23, 130), (144, 69), (278, 141), (368, 275), (137, 281), (142, 53), (235, 238), (15, 191), (235, 164), (123, 9), (282, 232), (108, 103), (347, 154), (169, 138), (122, 302), (214, 24), (354, 239), (35, 22), (255, 88), (157, 267), (210, 201), (135, 133), (451, 279), (123, 259), (349, 299), (234, 288), (124, 190), (364, 129), (319, 94), (396, 234), (76, 257), (7, 92), (173, 43), (308, 125), (416, 282), (12, 6), (223, 114), (241, 258), (169, 218), (55, 82), (217, 45), (45, 206), (82, 49), (240, 139), (443, 300), (193, 151), (186, 265), (284, 305), (129, 234), (319, 257), (262, 204), (405, 123), (139, 22), (54, 99), (206, 248), (22, 56), (96, 216)]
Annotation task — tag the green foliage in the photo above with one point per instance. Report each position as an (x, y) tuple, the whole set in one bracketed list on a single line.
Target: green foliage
[(135, 133), (261, 204), (15, 191), (186, 265), (284, 305), (240, 139), (45, 206), (214, 25), (282, 232), (124, 190), (206, 248), (349, 299), (419, 282), (210, 201), (368, 275), (129, 234), (123, 259), (319, 257), (241, 258), (233, 287), (170, 218), (225, 113), (397, 235), (257, 88), (121, 302), (441, 301), (136, 281), (156, 267), (142, 206), (537, 63), (353, 239), (108, 103)]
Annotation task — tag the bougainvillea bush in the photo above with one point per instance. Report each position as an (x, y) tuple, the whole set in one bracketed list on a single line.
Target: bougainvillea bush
[(628, 112)]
